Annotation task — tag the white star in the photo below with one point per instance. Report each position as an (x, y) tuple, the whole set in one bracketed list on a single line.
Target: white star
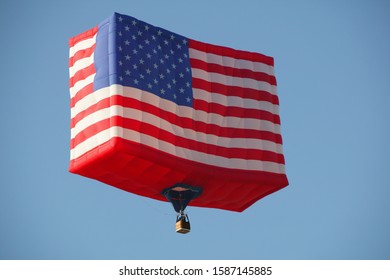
[(134, 22), (134, 37), (188, 84), (140, 46), (184, 42), (127, 57), (165, 42), (120, 62), (155, 81), (174, 81), (147, 27), (121, 78), (181, 75), (128, 72), (169, 86), (180, 60), (166, 56), (172, 37), (178, 46), (127, 42), (148, 71), (155, 66), (148, 55), (136, 81), (188, 99), (135, 66), (120, 48), (120, 19), (141, 61), (175, 96), (149, 85), (141, 76), (127, 28), (159, 32), (161, 61), (153, 37), (162, 91), (139, 33), (187, 69), (174, 66), (135, 51), (161, 76), (120, 33), (181, 90), (147, 41)]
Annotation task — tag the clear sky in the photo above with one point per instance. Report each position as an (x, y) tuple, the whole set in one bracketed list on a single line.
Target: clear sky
[(332, 63)]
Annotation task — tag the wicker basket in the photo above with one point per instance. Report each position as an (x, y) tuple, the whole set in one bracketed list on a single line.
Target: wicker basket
[(183, 225)]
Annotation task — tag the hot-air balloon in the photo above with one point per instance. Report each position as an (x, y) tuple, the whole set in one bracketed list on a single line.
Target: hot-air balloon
[(174, 119)]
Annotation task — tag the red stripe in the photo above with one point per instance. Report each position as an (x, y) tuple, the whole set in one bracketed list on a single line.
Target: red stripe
[(81, 54), (83, 36), (82, 74), (183, 122), (234, 72), (145, 128), (258, 95), (198, 104), (197, 146), (102, 104), (237, 54), (238, 112), (89, 132), (88, 89)]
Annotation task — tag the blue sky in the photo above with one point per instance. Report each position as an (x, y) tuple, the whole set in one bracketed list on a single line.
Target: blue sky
[(332, 63)]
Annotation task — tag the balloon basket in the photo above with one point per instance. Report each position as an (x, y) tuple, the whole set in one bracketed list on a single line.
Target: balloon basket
[(183, 224)]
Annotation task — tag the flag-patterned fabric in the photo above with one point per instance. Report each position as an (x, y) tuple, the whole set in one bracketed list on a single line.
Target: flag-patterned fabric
[(183, 104)]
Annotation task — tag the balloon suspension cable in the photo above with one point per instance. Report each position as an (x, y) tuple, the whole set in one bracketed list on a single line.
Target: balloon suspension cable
[(181, 215)]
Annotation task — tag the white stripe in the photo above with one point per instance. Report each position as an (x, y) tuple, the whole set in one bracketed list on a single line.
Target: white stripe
[(80, 85), (89, 100), (182, 111), (80, 64), (147, 118), (93, 142), (84, 44), (169, 148), (224, 100), (235, 101), (244, 143), (90, 120), (233, 81), (232, 62)]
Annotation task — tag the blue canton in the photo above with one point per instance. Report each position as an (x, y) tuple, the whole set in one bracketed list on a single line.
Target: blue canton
[(153, 59)]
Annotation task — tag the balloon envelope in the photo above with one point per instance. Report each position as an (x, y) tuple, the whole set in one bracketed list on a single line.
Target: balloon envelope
[(151, 109)]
